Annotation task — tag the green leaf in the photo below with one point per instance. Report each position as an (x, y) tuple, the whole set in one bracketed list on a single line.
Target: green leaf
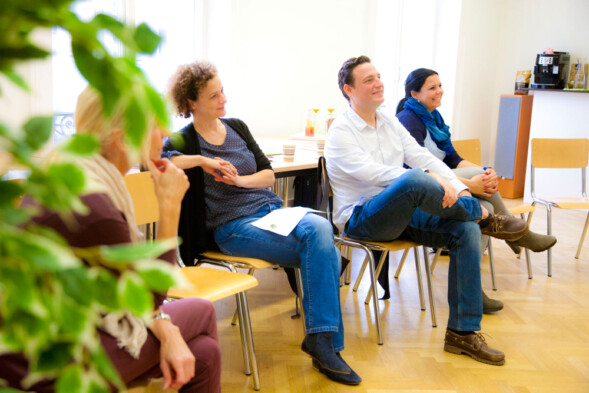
[(15, 216), (95, 387), (137, 251), (37, 131), (177, 141), (9, 191), (158, 104), (158, 275), (17, 79), (133, 294), (135, 122), (69, 175), (105, 368), (115, 26), (104, 288), (77, 284), (146, 40), (70, 380), (73, 318), (81, 145), (56, 357), (98, 71)]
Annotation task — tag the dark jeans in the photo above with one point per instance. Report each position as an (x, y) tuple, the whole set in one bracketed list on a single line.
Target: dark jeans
[(411, 208)]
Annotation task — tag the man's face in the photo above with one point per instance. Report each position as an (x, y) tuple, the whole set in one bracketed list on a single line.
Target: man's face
[(367, 90)]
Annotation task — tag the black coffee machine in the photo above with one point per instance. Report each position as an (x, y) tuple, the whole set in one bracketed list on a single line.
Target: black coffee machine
[(550, 71)]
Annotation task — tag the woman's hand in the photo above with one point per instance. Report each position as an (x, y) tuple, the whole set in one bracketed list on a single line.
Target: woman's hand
[(450, 195), (176, 360), (217, 167), (490, 181), (170, 182)]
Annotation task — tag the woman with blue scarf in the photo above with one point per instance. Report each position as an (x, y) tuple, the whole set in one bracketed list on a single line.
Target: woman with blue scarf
[(418, 113)]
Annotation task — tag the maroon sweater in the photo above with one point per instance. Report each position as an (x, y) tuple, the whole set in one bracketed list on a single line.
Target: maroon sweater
[(103, 225)]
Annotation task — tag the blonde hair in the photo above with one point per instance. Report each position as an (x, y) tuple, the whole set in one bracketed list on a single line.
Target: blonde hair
[(90, 119)]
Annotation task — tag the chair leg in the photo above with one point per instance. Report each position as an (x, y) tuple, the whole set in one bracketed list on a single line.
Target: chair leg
[(242, 333), (529, 263), (383, 258), (582, 237), (375, 296), (419, 277), (299, 279), (432, 302), (549, 225), (361, 273), (250, 271), (250, 340), (348, 276), (400, 267), (438, 252), (491, 263)]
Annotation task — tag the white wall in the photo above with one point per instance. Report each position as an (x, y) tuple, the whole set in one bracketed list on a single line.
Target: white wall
[(285, 57), (498, 38)]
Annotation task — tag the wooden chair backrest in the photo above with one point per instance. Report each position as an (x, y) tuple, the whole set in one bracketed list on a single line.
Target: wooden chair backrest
[(560, 153), (145, 203), (469, 149)]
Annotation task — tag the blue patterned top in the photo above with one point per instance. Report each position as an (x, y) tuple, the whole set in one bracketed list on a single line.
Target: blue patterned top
[(225, 203)]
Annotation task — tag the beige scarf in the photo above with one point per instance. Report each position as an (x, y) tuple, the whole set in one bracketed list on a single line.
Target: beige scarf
[(129, 330)]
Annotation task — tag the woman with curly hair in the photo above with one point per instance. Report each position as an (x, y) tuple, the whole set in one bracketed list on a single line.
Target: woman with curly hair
[(229, 179)]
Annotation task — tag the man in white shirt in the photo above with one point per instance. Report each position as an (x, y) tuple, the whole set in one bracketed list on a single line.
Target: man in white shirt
[(377, 199)]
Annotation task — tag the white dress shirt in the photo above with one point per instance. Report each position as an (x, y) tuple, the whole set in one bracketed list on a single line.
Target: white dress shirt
[(362, 160)]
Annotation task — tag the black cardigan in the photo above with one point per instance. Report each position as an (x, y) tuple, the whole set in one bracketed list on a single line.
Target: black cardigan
[(192, 226)]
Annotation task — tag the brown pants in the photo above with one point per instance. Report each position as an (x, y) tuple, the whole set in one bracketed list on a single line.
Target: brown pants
[(197, 322)]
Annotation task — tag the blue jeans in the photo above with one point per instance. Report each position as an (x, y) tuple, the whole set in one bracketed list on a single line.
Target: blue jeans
[(309, 246), (411, 208)]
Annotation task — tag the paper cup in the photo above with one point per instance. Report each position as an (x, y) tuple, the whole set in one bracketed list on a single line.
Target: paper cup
[(288, 152)]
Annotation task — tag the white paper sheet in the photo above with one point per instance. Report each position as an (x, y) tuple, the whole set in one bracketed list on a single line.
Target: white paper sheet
[(282, 221)]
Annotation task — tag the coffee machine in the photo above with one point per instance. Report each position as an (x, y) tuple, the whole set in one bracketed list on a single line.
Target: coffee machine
[(550, 71)]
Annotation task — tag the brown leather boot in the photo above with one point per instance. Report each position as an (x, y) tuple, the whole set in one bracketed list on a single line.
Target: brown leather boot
[(534, 241), (473, 345), (491, 305), (504, 227)]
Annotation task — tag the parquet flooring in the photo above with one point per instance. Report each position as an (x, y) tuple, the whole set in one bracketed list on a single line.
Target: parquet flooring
[(543, 329)]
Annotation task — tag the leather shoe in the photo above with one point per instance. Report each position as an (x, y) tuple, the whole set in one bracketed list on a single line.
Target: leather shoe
[(320, 347), (353, 379), (491, 305), (534, 241), (473, 345), (504, 227)]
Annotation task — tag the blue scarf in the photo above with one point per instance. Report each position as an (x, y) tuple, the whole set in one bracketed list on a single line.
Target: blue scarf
[(434, 123)]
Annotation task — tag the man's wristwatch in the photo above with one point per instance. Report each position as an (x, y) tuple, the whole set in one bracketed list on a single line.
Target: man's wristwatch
[(162, 315)]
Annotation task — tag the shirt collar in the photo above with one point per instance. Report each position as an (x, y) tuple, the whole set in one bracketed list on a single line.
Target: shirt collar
[(359, 123)]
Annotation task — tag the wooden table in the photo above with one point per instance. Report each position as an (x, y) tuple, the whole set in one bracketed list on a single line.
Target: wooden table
[(305, 162)]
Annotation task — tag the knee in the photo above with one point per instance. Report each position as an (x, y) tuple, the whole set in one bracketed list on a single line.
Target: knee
[(468, 234)]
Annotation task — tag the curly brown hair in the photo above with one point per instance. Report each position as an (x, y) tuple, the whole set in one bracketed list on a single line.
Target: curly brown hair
[(187, 82)]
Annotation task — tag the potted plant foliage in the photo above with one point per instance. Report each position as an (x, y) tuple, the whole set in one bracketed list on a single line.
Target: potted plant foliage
[(50, 299)]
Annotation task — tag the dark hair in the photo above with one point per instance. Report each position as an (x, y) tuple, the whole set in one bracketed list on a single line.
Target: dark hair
[(414, 82), (187, 82), (344, 76)]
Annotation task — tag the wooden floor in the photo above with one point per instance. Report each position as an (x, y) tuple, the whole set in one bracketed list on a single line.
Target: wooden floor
[(543, 329)]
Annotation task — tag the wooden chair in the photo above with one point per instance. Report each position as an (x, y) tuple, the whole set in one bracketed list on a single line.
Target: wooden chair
[(560, 154), (470, 149), (215, 284), (207, 283), (324, 191), (145, 205), (253, 264)]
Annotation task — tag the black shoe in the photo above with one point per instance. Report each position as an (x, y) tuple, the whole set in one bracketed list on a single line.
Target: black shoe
[(504, 227), (491, 305), (320, 347)]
